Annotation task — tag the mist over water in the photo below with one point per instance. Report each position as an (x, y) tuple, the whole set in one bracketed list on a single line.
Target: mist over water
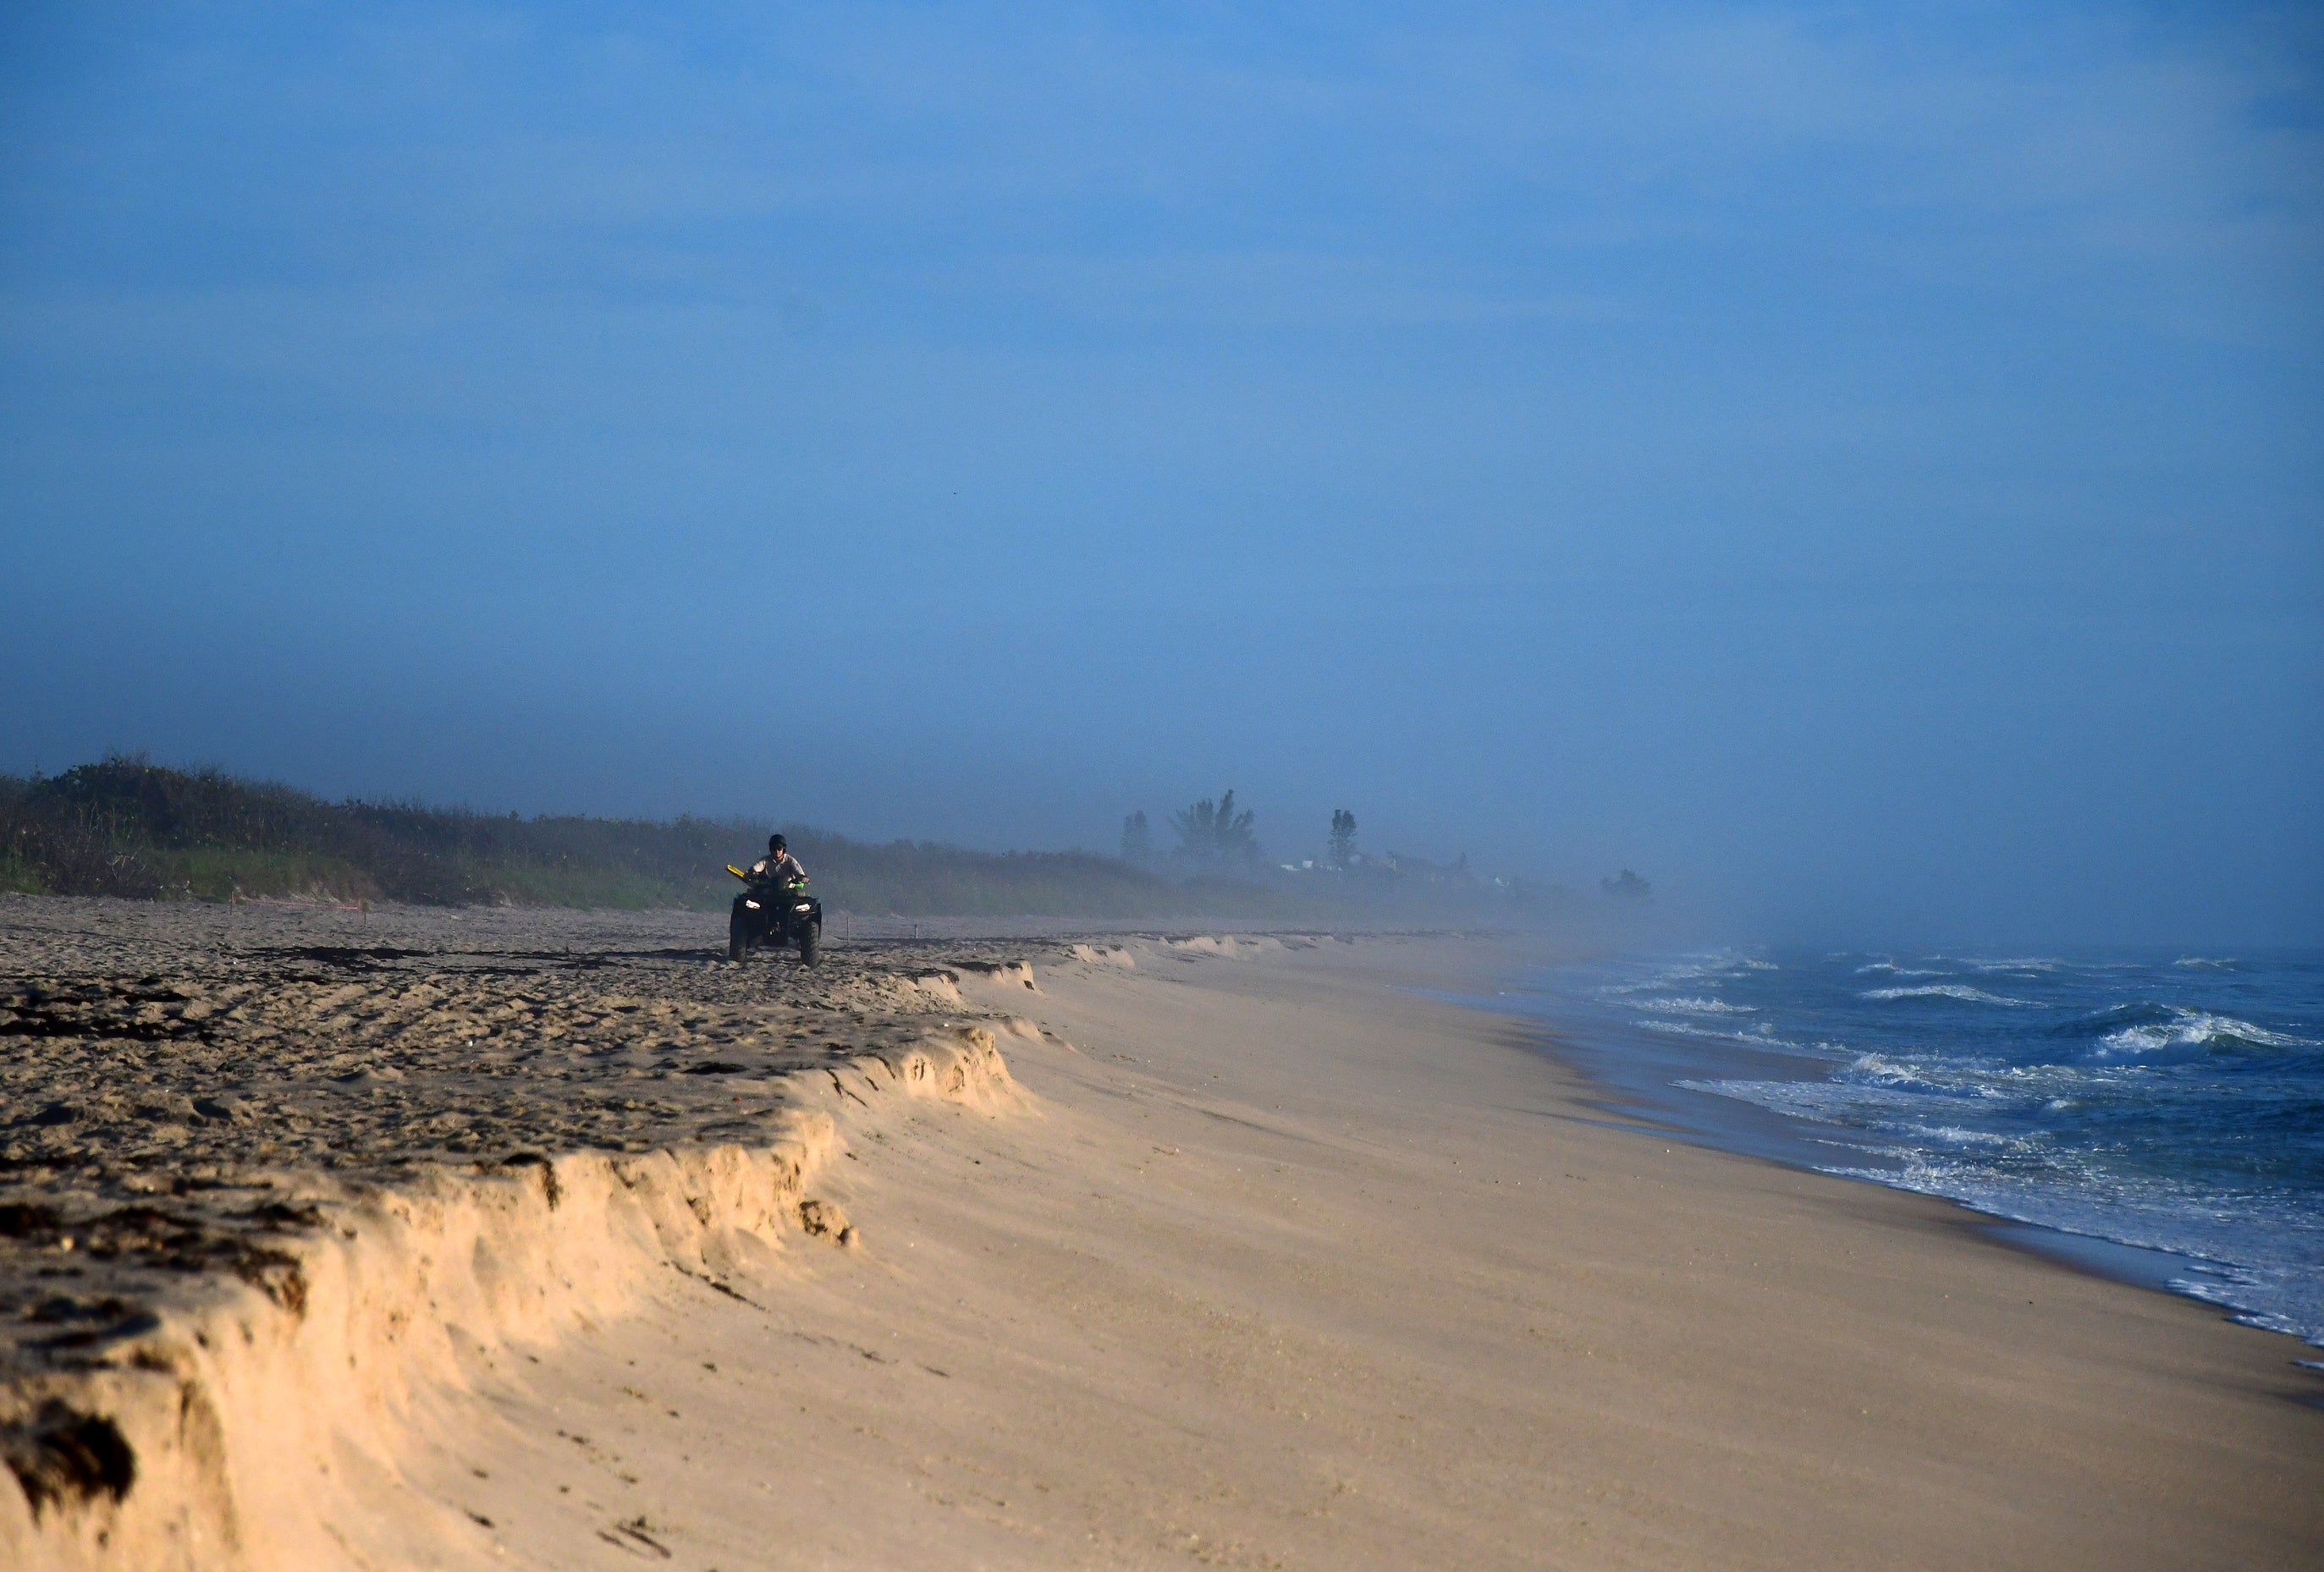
[(1859, 474)]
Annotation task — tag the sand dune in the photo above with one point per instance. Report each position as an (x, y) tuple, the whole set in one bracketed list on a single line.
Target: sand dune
[(217, 1346), (1269, 1264)]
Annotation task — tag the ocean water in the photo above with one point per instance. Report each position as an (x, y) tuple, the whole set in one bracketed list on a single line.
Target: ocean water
[(2170, 1103)]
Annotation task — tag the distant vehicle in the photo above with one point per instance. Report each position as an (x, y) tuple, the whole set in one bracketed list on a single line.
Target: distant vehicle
[(773, 914)]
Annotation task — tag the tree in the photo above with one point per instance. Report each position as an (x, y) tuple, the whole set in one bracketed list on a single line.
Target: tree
[(1211, 834), (1137, 841), (1343, 838), (1629, 888)]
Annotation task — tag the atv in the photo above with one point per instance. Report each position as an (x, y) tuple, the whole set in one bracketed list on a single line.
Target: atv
[(769, 914)]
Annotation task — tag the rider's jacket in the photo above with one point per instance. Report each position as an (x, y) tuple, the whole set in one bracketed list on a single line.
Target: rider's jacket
[(779, 870)]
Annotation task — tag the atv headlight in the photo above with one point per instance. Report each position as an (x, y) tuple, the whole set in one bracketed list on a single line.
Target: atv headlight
[(802, 907), (752, 904)]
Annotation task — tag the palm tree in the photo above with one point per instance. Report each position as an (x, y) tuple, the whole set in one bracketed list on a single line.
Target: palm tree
[(1211, 834)]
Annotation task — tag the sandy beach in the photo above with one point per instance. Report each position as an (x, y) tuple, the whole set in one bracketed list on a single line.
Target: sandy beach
[(435, 1242)]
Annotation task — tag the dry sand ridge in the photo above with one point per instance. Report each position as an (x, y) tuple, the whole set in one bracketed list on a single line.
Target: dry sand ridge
[(268, 1172)]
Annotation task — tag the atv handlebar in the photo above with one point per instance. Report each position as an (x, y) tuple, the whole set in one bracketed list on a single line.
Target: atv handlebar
[(799, 883)]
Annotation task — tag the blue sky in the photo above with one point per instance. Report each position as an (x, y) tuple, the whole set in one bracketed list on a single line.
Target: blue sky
[(1857, 466)]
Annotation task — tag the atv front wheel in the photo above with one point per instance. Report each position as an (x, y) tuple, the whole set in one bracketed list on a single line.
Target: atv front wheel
[(738, 938), (808, 934)]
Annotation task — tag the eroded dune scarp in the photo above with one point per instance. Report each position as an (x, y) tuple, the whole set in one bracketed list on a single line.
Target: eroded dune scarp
[(265, 1174)]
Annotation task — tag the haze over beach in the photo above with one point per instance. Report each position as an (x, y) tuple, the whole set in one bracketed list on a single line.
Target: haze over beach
[(1859, 472), (1556, 773)]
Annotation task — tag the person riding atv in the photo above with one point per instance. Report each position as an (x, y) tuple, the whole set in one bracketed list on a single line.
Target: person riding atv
[(774, 907), (778, 866)]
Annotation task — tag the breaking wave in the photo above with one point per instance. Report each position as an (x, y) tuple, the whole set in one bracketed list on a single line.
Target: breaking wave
[(1947, 990), (2187, 1028)]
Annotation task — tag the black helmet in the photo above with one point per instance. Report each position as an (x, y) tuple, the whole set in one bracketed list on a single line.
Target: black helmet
[(775, 843)]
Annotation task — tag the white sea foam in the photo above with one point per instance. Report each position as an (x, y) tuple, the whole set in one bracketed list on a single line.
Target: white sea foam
[(1946, 991), (1824, 1101), (1955, 1135), (2203, 962), (1880, 1070), (1688, 1006), (1711, 972), (1759, 1035)]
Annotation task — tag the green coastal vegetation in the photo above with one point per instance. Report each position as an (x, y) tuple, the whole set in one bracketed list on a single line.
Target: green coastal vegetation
[(127, 827)]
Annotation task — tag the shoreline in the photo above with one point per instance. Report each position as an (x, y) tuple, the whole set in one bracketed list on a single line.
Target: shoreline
[(1635, 1077), (2090, 1256), (1264, 1260)]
